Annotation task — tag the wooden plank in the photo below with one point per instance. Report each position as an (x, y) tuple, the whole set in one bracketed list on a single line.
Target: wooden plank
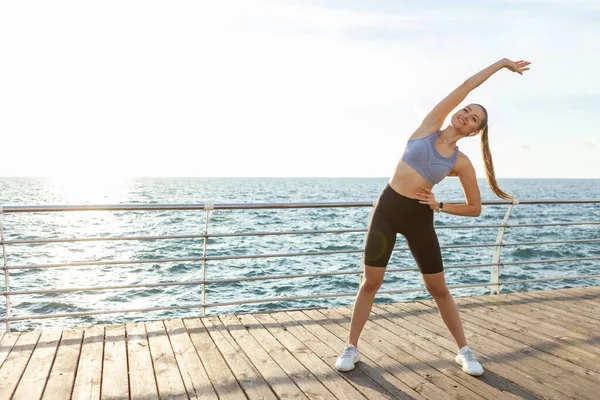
[(594, 288), (89, 370), (551, 357), (545, 343), (395, 348), (62, 375), (168, 378), (499, 352), (13, 367), (301, 376), (510, 348), (115, 382), (497, 345), (6, 345), (322, 371), (281, 384), (392, 328), (524, 321), (358, 378), (528, 318), (142, 383), (427, 340), (561, 305), (568, 303), (397, 361), (37, 371), (591, 291), (253, 355), (192, 371), (558, 339), (493, 363), (528, 313), (221, 376), (589, 301), (558, 365), (585, 293), (543, 312), (379, 366)]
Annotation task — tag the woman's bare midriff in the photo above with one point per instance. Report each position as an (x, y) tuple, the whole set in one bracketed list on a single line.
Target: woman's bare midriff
[(407, 181)]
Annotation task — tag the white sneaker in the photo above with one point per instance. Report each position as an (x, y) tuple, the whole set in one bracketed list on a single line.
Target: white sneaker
[(348, 358), (466, 358)]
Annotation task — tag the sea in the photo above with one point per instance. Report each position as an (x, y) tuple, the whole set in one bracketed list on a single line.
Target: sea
[(116, 190)]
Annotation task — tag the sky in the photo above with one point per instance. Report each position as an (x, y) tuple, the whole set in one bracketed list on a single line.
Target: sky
[(290, 88)]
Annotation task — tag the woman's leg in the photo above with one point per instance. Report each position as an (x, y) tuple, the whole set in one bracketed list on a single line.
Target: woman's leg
[(379, 244), (436, 286), (371, 282), (425, 248)]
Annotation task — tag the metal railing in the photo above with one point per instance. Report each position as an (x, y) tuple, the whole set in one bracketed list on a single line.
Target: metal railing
[(495, 266)]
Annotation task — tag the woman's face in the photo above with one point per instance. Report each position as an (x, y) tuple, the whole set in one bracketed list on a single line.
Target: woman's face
[(468, 119)]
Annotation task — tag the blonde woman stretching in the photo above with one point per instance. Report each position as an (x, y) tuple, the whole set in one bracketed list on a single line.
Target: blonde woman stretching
[(407, 203)]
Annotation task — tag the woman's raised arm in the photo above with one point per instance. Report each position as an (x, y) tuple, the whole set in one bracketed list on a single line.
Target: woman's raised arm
[(434, 120)]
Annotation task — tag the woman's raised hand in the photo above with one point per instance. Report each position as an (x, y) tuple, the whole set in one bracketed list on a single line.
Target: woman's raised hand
[(516, 66)]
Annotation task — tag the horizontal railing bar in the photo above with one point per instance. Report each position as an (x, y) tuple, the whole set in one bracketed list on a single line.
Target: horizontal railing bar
[(85, 314), (272, 233), (275, 299), (551, 201), (556, 260), (501, 283), (200, 236), (220, 281), (268, 277), (273, 255), (209, 236), (551, 224), (550, 242), (551, 279), (318, 253), (99, 238), (214, 258), (100, 288), (248, 206), (118, 262)]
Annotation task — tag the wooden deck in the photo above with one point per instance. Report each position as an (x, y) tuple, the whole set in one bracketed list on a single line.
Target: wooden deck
[(532, 345)]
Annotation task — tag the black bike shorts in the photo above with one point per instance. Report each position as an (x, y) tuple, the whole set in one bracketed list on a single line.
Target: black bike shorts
[(393, 214)]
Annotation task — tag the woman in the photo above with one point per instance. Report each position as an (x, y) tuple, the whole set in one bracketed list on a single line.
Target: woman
[(407, 203)]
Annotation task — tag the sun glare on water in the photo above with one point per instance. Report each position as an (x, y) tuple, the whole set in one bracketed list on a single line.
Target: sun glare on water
[(90, 189)]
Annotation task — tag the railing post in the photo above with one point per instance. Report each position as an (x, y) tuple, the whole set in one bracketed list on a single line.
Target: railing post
[(6, 277), (208, 206), (495, 272)]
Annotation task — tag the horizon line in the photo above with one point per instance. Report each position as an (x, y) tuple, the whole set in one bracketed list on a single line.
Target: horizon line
[(256, 177)]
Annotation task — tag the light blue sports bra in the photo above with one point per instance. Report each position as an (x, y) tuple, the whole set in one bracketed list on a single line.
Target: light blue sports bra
[(422, 156)]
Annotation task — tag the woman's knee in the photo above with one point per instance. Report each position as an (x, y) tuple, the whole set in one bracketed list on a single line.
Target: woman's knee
[(372, 279), (439, 292), (436, 285)]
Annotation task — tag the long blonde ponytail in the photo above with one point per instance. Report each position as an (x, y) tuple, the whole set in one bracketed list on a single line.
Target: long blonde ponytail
[(489, 165)]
